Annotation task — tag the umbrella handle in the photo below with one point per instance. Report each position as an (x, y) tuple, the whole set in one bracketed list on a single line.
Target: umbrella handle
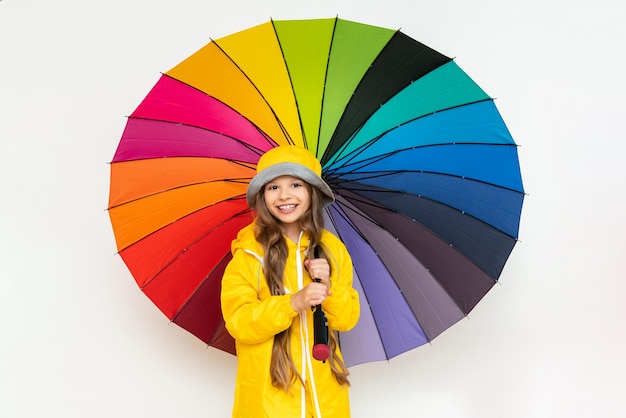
[(321, 350)]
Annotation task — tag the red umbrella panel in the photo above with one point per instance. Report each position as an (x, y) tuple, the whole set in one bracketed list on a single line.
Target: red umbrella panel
[(424, 170)]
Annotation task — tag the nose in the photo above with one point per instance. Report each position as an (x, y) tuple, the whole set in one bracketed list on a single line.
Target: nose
[(285, 193)]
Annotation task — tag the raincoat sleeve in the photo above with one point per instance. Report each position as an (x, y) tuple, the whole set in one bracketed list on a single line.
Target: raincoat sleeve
[(248, 317), (342, 308)]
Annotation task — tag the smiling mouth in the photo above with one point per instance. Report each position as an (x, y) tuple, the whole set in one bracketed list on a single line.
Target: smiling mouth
[(287, 207)]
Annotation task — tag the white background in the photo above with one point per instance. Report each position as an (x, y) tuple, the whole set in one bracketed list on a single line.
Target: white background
[(79, 339)]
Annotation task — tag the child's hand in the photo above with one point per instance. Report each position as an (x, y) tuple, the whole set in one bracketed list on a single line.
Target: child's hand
[(310, 295), (314, 293), (318, 268)]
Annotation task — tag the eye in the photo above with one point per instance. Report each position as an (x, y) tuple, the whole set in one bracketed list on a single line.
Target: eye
[(297, 184), (271, 187)]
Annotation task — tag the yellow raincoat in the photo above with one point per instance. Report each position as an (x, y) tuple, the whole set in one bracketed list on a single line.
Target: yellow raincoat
[(253, 316)]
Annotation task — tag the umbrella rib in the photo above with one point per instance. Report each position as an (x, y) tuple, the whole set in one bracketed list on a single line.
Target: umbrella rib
[(342, 161), (239, 180), (319, 125), (360, 214), (252, 148), (295, 98), (337, 181), (269, 140), (191, 295), (365, 293), (383, 190), (327, 157), (363, 215), (184, 250), (282, 127), (239, 197)]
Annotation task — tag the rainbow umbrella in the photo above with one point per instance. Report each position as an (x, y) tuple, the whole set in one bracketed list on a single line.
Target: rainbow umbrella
[(426, 174)]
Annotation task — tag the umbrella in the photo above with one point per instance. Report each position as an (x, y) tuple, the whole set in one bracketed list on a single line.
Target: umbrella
[(425, 173)]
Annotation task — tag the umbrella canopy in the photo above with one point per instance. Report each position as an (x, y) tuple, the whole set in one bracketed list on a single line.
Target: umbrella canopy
[(424, 170)]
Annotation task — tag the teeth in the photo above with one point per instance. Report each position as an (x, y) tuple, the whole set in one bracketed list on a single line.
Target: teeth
[(286, 207)]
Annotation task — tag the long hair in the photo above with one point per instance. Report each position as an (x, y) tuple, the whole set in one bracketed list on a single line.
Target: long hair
[(268, 233)]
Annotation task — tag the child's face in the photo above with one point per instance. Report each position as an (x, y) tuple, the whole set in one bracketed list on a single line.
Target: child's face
[(287, 198)]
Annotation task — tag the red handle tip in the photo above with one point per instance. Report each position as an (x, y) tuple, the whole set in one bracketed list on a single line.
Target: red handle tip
[(321, 352)]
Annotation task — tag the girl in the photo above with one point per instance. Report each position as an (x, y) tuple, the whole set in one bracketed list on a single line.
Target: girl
[(268, 292)]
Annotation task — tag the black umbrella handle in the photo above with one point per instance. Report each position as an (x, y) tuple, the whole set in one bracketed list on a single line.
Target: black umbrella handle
[(321, 350)]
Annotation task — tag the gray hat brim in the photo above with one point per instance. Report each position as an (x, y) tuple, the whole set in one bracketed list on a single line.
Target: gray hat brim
[(287, 169)]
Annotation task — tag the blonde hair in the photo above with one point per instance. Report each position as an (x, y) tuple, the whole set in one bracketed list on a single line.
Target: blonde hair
[(268, 233)]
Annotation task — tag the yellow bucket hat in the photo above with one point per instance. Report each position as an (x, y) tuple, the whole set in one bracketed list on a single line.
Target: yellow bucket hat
[(288, 160)]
